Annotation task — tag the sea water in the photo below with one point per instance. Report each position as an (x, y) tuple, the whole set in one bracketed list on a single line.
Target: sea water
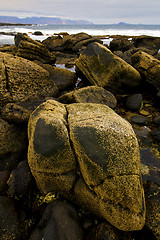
[(92, 29)]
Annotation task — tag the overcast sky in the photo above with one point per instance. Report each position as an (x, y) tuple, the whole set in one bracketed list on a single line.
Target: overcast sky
[(96, 11)]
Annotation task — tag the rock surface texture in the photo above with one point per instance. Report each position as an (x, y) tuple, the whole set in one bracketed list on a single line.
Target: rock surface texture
[(101, 67), (89, 150)]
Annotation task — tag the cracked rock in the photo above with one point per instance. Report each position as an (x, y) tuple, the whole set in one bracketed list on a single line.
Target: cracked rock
[(89, 151)]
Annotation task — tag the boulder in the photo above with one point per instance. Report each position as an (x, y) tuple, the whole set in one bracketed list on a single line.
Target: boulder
[(149, 42), (87, 150), (32, 49), (91, 94), (148, 66), (121, 44), (13, 145), (50, 154), (59, 221), (53, 43), (23, 80), (134, 102), (101, 67)]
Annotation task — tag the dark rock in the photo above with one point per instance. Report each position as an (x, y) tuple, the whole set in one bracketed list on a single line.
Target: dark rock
[(121, 44), (105, 231), (32, 49), (91, 94), (20, 182), (59, 222), (54, 43), (134, 102), (15, 114), (150, 160), (13, 145), (101, 67), (152, 197), (156, 120), (152, 43), (38, 33), (9, 226), (155, 135), (4, 175), (140, 119)]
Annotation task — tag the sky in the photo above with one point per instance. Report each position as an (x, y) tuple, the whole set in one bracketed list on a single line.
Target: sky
[(96, 11)]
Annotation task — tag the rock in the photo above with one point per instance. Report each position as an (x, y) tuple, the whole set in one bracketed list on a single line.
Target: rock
[(101, 67), (9, 226), (156, 120), (20, 182), (59, 221), (23, 80), (8, 49), (120, 44), (155, 134), (107, 232), (38, 33), (152, 196), (50, 155), (148, 66), (4, 175), (94, 135), (134, 102), (140, 119), (32, 49), (150, 164), (15, 114), (91, 94), (54, 43), (78, 46), (152, 43), (13, 145), (63, 78)]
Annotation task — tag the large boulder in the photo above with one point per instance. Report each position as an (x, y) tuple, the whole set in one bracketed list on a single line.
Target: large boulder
[(101, 67), (32, 49), (148, 66), (23, 80), (149, 42), (87, 150)]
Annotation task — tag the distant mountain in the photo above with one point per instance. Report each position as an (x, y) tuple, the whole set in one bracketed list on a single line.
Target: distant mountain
[(40, 20)]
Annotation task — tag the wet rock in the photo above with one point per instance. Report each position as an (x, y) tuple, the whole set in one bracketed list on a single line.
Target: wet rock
[(32, 49), (134, 102), (101, 67), (13, 145), (38, 33), (149, 42), (152, 196), (91, 94), (15, 114), (148, 66), (9, 225), (59, 221), (150, 160), (108, 232), (140, 119), (23, 80)]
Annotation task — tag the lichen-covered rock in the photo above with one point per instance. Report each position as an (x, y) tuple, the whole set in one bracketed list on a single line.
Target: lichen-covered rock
[(90, 94), (22, 80), (101, 67), (148, 66), (32, 49), (94, 140), (50, 155)]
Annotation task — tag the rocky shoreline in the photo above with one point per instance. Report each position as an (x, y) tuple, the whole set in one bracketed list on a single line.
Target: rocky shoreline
[(80, 155)]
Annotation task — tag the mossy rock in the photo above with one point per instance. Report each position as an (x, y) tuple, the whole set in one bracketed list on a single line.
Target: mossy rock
[(101, 67), (88, 150)]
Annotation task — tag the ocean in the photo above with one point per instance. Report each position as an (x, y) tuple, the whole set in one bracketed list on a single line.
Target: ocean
[(107, 29)]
